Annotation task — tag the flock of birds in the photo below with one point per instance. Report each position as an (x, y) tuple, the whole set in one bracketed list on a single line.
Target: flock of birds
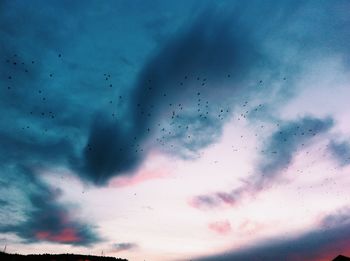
[(170, 123), (19, 93)]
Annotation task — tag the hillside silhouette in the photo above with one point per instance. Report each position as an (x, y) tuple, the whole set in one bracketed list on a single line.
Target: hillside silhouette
[(60, 257), (72, 257), (341, 258)]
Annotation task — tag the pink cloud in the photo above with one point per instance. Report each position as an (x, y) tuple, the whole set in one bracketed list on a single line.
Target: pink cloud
[(218, 199), (220, 227), (66, 235), (140, 177), (144, 173), (226, 198), (202, 202)]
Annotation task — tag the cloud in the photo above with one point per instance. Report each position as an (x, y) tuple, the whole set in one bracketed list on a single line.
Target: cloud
[(341, 152), (143, 175), (69, 111), (276, 156), (203, 201), (322, 243), (45, 219), (195, 79), (118, 247), (39, 122), (220, 227), (110, 150), (207, 202), (342, 216), (284, 143), (172, 100), (66, 118)]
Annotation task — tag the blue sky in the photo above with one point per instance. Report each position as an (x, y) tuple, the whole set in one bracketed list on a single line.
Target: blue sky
[(173, 130)]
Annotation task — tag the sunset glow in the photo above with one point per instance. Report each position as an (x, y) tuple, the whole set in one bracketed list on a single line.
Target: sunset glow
[(176, 130)]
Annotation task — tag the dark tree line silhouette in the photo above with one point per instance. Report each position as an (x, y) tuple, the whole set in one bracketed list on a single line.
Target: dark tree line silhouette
[(61, 257)]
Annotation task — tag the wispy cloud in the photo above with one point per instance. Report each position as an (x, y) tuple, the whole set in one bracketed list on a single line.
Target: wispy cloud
[(119, 247), (325, 242), (220, 227), (276, 156)]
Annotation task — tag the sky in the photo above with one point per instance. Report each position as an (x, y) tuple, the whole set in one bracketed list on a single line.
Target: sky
[(175, 130)]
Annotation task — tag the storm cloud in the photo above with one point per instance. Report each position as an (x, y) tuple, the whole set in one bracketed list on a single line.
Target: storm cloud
[(102, 124), (176, 95)]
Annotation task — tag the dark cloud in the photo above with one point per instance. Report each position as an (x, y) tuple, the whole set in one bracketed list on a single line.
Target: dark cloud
[(73, 103), (40, 150), (285, 142), (50, 95), (174, 93), (322, 243), (39, 121), (44, 218), (110, 150), (276, 156), (193, 82), (341, 152)]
